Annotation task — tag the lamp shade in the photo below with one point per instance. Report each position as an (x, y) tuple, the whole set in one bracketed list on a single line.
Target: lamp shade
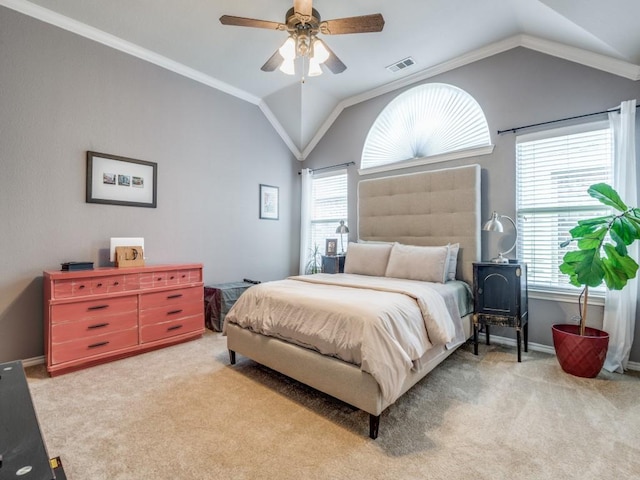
[(342, 228)]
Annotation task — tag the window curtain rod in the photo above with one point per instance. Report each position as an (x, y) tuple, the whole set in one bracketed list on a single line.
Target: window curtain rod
[(515, 129), (347, 164)]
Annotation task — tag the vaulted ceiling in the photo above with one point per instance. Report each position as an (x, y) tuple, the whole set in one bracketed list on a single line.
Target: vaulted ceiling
[(186, 36)]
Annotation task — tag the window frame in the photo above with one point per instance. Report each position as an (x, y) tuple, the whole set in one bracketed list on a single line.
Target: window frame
[(334, 221), (559, 292)]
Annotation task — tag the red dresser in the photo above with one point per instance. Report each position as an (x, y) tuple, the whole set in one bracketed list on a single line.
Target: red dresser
[(95, 316)]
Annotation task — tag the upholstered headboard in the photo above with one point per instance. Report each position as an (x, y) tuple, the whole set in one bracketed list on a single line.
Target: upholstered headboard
[(429, 208)]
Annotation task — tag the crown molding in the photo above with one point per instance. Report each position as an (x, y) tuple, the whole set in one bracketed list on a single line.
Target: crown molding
[(116, 43), (266, 111), (573, 54)]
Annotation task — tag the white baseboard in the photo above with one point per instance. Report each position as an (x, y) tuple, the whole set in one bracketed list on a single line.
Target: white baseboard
[(538, 347), (30, 362)]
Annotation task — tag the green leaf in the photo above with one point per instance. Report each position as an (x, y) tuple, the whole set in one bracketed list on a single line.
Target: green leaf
[(619, 268), (592, 240), (595, 221), (624, 229), (606, 195)]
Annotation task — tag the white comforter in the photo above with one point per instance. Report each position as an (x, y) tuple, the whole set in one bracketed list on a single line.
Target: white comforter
[(382, 324)]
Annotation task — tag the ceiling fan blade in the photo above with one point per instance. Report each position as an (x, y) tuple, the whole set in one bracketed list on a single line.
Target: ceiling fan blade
[(362, 24), (250, 22), (333, 63), (303, 7), (274, 62)]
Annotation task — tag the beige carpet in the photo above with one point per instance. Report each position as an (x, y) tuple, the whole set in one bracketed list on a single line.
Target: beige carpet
[(184, 413)]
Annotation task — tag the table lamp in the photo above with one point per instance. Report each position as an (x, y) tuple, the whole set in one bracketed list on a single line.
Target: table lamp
[(495, 225), (342, 229)]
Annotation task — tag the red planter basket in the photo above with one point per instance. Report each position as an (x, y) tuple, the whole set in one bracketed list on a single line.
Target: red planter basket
[(580, 355)]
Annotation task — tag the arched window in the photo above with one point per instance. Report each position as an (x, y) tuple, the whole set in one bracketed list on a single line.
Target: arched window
[(429, 120)]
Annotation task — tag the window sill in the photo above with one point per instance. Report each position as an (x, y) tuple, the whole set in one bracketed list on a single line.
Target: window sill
[(563, 296)]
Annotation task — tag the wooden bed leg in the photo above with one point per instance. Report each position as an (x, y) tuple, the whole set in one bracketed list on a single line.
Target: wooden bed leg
[(374, 424), (232, 357)]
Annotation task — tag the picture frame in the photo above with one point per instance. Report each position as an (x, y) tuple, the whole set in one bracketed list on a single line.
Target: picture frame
[(116, 180), (331, 247), (269, 202)]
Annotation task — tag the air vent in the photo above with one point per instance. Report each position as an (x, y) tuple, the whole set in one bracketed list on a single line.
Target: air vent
[(401, 65)]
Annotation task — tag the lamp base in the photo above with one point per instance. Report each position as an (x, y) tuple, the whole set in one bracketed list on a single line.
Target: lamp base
[(500, 259)]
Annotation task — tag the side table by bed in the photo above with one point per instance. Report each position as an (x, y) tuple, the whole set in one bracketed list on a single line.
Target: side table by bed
[(333, 263), (218, 300), (501, 299)]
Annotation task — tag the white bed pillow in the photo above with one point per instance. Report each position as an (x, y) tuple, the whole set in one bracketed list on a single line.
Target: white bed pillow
[(453, 261), (429, 264), (367, 258)]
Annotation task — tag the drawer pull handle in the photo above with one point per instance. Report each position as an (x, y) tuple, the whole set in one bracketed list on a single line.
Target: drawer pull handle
[(175, 327), (99, 285), (96, 345), (177, 295), (171, 277), (98, 307), (115, 284), (173, 312), (158, 279), (81, 287), (97, 325)]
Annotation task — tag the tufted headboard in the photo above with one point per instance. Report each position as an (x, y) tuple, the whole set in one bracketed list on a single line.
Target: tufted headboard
[(429, 208)]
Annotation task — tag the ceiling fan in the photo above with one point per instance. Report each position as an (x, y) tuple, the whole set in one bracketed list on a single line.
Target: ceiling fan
[(303, 24)]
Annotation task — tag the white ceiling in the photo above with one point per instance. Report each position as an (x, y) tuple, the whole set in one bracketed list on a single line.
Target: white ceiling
[(187, 37)]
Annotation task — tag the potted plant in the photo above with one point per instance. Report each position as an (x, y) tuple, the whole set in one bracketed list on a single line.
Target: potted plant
[(313, 263), (601, 256)]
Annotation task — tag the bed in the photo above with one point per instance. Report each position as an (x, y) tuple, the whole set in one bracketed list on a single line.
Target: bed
[(436, 210)]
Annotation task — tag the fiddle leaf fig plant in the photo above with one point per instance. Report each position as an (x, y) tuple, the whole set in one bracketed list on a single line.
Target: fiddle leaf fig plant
[(602, 254)]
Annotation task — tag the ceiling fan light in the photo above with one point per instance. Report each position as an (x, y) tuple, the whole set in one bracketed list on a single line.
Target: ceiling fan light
[(288, 67), (320, 52), (314, 68), (288, 49)]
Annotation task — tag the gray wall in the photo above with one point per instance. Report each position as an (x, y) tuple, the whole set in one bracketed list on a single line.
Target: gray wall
[(61, 95), (515, 88)]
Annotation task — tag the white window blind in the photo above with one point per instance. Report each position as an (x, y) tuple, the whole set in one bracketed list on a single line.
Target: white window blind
[(328, 207), (427, 120), (554, 169)]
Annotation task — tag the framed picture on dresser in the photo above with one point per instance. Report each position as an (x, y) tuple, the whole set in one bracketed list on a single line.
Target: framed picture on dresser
[(116, 180)]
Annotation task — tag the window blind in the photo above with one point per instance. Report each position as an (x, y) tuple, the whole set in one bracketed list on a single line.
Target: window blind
[(554, 169), (329, 205)]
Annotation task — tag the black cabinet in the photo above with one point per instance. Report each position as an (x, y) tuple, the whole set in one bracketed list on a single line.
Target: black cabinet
[(500, 298), (333, 263)]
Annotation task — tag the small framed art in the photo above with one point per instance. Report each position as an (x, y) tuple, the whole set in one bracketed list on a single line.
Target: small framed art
[(331, 247), (118, 180), (269, 202)]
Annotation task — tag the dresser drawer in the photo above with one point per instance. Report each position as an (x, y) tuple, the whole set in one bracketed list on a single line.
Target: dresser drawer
[(172, 297), (164, 313), (71, 312), (64, 332), (88, 347), (158, 331), (192, 275)]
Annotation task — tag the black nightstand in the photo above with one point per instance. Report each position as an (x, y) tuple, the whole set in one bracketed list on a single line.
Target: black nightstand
[(500, 298), (333, 263)]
